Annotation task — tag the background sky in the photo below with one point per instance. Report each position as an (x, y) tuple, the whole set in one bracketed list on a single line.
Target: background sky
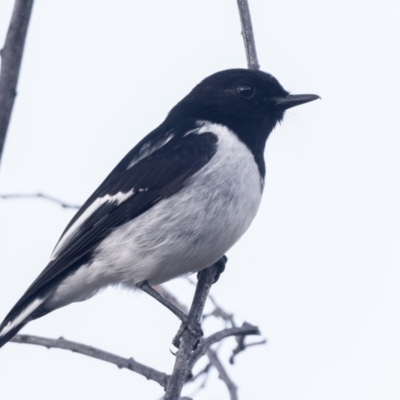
[(318, 271)]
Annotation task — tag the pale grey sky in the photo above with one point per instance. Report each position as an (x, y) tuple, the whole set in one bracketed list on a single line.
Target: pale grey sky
[(318, 271)]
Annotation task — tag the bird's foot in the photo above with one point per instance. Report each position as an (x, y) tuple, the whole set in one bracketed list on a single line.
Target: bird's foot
[(194, 329)]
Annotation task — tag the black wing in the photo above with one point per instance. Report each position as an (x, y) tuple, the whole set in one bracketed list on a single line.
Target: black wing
[(157, 176)]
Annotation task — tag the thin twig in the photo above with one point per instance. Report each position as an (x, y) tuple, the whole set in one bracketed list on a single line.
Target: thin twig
[(242, 346), (248, 36), (223, 375), (62, 203), (120, 362), (181, 367), (203, 371), (244, 330), (219, 312), (11, 56)]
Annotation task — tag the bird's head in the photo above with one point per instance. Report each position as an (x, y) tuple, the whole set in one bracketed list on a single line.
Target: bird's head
[(250, 102)]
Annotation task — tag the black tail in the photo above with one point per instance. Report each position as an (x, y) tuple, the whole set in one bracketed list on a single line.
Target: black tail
[(9, 335), (19, 316)]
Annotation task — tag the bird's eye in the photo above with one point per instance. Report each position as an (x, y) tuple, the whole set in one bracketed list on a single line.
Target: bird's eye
[(245, 90)]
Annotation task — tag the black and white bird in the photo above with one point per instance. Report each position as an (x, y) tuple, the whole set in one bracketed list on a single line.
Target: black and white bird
[(176, 202)]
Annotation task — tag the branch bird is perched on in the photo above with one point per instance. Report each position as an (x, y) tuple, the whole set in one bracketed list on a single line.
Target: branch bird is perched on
[(177, 201)]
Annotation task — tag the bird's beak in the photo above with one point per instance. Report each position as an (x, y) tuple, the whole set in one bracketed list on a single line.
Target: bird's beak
[(293, 100)]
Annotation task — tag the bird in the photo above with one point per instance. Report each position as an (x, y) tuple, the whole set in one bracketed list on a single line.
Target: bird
[(175, 204)]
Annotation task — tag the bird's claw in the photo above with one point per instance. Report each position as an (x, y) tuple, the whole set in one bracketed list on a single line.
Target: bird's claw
[(193, 328)]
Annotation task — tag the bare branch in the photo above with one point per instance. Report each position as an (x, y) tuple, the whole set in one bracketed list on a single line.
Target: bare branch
[(120, 362), (223, 375), (181, 367), (40, 196), (245, 329), (248, 36), (11, 56)]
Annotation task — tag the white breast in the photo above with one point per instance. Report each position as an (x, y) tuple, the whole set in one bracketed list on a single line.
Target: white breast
[(184, 233)]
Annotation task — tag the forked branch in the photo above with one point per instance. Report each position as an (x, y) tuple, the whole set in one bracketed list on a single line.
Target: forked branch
[(129, 363)]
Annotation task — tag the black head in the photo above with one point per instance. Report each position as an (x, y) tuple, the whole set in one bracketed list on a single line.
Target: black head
[(249, 102)]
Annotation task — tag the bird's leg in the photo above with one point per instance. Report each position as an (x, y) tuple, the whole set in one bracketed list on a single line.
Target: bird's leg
[(195, 329), (187, 322), (191, 324), (153, 293)]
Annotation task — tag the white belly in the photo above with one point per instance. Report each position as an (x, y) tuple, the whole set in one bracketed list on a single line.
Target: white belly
[(171, 240)]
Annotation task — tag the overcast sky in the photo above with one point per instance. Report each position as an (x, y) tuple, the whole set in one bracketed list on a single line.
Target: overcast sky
[(318, 271)]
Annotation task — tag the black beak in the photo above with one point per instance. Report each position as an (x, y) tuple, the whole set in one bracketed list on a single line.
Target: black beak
[(293, 100)]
